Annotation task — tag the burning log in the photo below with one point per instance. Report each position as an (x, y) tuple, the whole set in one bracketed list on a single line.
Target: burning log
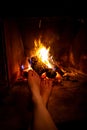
[(41, 68), (50, 73), (57, 69), (37, 65)]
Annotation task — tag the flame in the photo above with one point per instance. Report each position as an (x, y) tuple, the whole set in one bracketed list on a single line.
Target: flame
[(43, 53)]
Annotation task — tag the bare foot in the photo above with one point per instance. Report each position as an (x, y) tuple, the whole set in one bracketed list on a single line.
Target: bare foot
[(40, 89), (34, 85), (46, 89)]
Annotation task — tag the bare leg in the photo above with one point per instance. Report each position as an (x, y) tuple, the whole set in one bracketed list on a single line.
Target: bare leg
[(42, 119)]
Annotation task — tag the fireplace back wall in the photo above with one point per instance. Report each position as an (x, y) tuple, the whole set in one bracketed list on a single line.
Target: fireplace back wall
[(66, 37)]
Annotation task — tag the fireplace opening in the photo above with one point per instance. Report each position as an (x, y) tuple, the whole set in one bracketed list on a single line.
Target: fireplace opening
[(56, 48), (65, 37)]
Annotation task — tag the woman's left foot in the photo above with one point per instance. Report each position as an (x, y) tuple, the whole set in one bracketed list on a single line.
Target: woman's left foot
[(46, 89)]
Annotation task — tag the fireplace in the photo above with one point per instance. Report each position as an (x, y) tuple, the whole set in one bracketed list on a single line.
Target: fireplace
[(66, 37)]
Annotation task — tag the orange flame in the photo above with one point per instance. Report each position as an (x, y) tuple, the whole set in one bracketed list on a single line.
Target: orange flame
[(43, 53)]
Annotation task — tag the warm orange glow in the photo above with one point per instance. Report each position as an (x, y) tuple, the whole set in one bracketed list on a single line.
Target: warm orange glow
[(28, 68), (59, 77), (43, 53)]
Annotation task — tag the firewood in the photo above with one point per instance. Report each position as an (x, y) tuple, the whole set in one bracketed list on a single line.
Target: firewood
[(37, 65), (40, 67), (50, 73), (57, 69)]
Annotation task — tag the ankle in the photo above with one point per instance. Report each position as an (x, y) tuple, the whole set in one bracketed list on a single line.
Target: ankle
[(37, 99)]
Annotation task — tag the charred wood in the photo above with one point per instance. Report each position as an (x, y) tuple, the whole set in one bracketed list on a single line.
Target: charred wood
[(41, 68), (57, 69)]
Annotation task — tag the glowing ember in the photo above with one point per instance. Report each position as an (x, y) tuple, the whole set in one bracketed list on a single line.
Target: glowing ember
[(43, 53), (29, 68), (26, 69)]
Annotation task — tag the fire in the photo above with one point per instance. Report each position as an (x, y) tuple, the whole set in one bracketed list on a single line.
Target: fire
[(43, 53)]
